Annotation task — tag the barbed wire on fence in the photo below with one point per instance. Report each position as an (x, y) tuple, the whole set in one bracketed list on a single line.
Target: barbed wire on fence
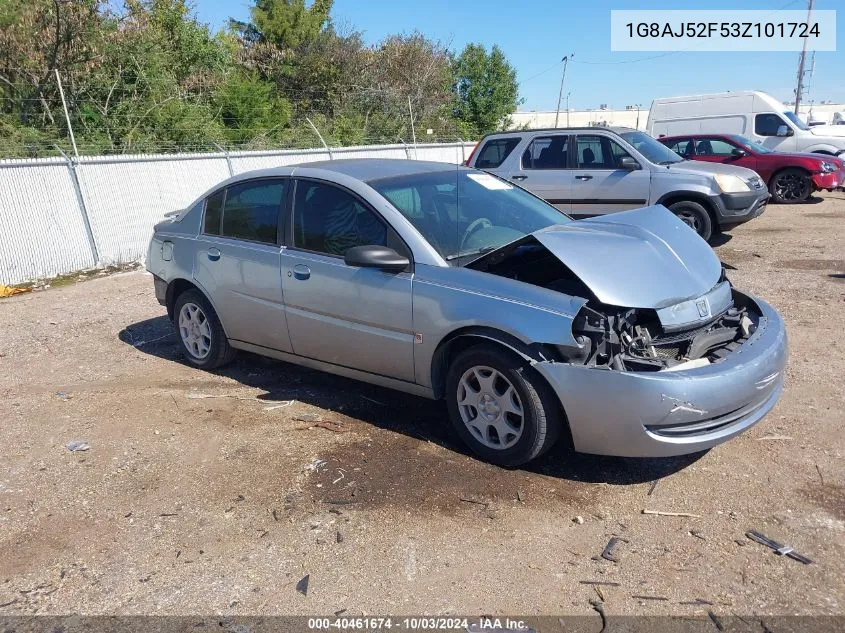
[(199, 117)]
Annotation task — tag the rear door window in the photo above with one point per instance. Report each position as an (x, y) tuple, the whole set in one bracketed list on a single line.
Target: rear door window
[(213, 213), (546, 152), (713, 147), (599, 152), (252, 209), (682, 146), (495, 151)]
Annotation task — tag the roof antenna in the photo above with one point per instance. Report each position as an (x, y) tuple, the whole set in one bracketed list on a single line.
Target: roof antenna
[(320, 136)]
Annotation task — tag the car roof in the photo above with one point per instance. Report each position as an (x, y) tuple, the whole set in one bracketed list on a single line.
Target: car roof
[(365, 169), (695, 135), (617, 129)]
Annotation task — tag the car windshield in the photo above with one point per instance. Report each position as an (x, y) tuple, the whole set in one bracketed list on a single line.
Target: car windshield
[(747, 142), (652, 149), (796, 121), (464, 213)]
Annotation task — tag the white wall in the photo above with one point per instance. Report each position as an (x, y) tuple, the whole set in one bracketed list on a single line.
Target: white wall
[(45, 217)]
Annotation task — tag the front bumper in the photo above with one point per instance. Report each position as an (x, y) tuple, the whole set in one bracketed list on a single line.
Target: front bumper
[(160, 286), (737, 208), (659, 414), (830, 180)]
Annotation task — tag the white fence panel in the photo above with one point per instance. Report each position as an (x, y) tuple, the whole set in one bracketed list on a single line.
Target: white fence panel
[(126, 198), (42, 233), (43, 217)]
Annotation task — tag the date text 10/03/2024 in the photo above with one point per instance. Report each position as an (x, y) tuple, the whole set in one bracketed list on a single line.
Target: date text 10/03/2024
[(416, 623)]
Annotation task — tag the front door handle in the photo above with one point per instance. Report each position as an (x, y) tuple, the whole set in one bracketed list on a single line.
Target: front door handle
[(519, 177), (584, 177), (213, 254), (301, 272)]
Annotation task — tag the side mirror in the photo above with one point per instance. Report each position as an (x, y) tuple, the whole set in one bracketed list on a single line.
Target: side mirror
[(373, 256), (627, 162), (783, 130), (738, 153)]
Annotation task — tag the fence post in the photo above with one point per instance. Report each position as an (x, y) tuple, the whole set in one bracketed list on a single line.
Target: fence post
[(67, 116), (228, 158), (463, 156), (320, 136), (80, 199), (405, 145)]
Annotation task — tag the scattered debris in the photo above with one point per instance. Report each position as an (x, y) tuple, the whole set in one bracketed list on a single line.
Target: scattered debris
[(75, 446), (475, 501), (697, 601), (381, 404), (63, 395), (697, 534), (339, 536), (340, 612), (774, 437), (329, 425), (603, 583), (168, 514), (598, 606), (240, 498), (274, 404), (819, 471), (781, 550), (342, 475), (653, 486), (579, 520), (599, 593), (302, 585), (316, 465), (672, 514), (8, 291), (520, 496), (658, 598), (716, 621), (607, 552)]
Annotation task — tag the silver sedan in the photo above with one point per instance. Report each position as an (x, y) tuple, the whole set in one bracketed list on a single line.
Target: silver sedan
[(620, 332)]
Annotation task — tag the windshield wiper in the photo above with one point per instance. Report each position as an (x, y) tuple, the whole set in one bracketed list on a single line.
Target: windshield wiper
[(480, 251)]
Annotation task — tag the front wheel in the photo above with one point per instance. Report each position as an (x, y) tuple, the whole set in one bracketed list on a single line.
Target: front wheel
[(502, 409), (695, 216), (790, 185), (200, 332)]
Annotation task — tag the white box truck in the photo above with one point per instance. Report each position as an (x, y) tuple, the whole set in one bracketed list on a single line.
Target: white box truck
[(752, 114)]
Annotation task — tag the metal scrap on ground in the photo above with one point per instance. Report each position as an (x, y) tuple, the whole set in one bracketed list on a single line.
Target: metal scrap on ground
[(672, 514), (781, 550)]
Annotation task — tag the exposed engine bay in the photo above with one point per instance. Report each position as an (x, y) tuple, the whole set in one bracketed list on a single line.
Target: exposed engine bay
[(628, 339)]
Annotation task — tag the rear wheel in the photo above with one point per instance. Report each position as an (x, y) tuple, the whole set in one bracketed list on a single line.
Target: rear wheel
[(790, 185), (694, 215), (502, 409), (200, 333)]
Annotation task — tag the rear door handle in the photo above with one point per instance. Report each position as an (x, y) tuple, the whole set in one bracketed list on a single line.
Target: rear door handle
[(519, 177), (301, 272), (213, 254), (584, 177)]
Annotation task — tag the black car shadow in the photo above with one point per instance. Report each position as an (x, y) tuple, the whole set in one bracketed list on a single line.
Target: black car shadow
[(391, 410), (720, 239)]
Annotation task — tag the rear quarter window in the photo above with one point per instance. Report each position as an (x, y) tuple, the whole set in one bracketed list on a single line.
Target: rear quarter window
[(495, 151)]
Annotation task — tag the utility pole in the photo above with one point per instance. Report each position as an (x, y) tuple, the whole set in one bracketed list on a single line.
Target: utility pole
[(567, 108), (413, 131), (800, 87), (565, 61)]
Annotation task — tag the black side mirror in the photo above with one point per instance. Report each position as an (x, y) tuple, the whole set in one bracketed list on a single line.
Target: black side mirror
[(629, 163), (738, 153), (373, 256)]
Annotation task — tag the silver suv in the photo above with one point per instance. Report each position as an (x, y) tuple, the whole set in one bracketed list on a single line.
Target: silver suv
[(597, 170)]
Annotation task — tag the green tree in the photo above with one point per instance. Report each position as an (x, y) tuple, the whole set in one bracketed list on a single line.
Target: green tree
[(285, 23), (486, 90)]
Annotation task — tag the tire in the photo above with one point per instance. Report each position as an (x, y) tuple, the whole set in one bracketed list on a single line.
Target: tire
[(694, 215), (790, 186), (199, 332), (488, 370)]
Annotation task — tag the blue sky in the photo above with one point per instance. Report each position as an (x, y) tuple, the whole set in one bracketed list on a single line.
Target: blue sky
[(535, 35)]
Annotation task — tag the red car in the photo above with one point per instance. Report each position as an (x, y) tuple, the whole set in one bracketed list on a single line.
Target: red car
[(790, 177)]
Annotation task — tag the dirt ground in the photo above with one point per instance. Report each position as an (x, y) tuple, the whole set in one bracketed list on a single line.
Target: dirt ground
[(216, 493)]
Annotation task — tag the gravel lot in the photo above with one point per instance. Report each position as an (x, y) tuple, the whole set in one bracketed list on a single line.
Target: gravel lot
[(218, 492)]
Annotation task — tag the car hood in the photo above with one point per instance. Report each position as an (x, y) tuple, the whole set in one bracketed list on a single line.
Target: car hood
[(701, 167), (828, 130), (645, 258)]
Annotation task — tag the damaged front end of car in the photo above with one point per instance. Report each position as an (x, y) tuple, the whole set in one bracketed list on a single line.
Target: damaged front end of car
[(661, 334)]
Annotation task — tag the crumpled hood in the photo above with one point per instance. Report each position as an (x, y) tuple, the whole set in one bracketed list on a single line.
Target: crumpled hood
[(703, 167), (645, 258)]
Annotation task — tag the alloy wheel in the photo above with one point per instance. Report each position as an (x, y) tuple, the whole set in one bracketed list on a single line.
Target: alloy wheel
[(195, 330), (791, 186), (490, 407)]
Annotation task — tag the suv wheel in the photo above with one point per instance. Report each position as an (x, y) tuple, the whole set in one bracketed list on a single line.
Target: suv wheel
[(200, 333), (502, 410), (790, 185), (695, 216)]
